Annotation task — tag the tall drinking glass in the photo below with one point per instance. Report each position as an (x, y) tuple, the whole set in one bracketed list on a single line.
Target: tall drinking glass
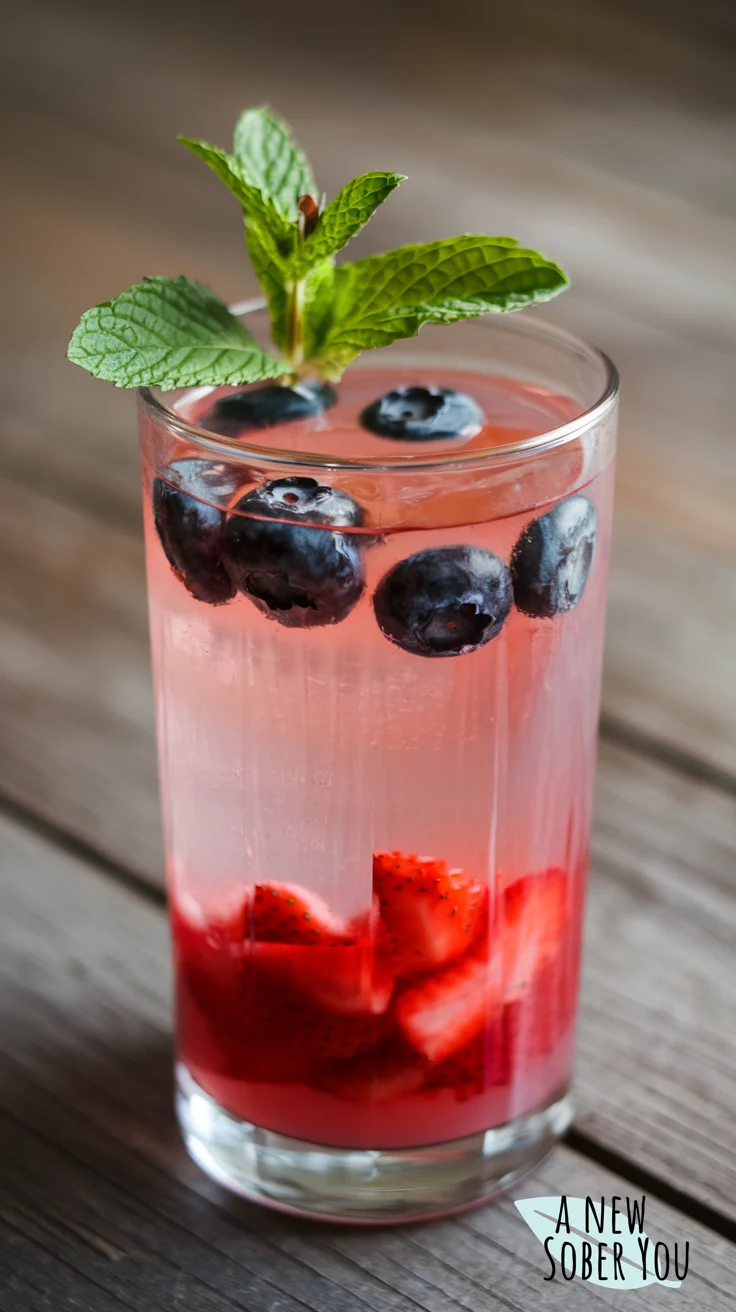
[(377, 688)]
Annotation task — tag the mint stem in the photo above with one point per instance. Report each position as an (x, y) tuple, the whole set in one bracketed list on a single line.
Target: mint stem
[(295, 335), (308, 214)]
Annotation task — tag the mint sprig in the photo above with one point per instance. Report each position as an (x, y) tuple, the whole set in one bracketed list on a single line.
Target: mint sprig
[(176, 333)]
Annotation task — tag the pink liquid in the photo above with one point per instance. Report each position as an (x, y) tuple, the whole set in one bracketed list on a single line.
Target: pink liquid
[(293, 755)]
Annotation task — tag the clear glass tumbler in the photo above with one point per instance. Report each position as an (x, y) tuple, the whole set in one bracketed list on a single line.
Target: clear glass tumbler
[(377, 711)]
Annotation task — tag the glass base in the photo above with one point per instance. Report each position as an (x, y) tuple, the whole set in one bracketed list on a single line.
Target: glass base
[(362, 1186)]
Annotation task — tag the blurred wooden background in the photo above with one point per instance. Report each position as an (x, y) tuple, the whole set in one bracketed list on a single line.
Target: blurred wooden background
[(602, 133)]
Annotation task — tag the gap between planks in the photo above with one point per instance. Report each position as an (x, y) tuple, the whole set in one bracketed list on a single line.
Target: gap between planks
[(618, 732), (651, 1183)]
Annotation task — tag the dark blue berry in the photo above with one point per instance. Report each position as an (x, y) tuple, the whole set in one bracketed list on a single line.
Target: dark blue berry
[(191, 528), (551, 560), (264, 407), (444, 601), (421, 414), (296, 573)]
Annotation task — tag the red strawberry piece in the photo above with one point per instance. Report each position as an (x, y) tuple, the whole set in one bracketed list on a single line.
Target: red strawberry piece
[(532, 930), (280, 985), (525, 1031), (531, 1020), (241, 1021), (329, 1036), (518, 1041), (468, 1072), (449, 1008), (351, 974), (286, 913), (531, 1024), (433, 914), (351, 980), (385, 1075), (213, 1026), (533, 925), (323, 1035), (490, 1059), (276, 1016)]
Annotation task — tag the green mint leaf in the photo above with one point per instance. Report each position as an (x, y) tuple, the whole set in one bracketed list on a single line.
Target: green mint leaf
[(270, 238), (386, 297), (271, 161), (257, 207), (169, 332), (343, 218)]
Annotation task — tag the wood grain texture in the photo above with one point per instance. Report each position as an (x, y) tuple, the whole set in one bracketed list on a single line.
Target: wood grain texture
[(657, 1061), (100, 1207), (77, 714)]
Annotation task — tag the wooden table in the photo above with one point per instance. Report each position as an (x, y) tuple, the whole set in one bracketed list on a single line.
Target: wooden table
[(622, 166)]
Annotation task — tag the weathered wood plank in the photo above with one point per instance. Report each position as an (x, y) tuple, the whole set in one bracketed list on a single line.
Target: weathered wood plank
[(657, 1067), (671, 643), (76, 690), (100, 1207)]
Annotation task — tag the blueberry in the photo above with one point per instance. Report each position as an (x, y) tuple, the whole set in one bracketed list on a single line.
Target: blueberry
[(444, 601), (551, 560), (264, 407), (420, 414), (298, 574), (191, 529)]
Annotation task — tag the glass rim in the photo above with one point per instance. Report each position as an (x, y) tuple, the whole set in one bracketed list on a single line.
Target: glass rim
[(226, 449)]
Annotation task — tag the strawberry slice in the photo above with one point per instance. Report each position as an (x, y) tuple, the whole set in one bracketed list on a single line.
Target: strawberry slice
[(468, 1072), (345, 967), (449, 1008), (349, 979), (432, 913), (532, 1023), (250, 1023), (286, 913), (275, 1018), (533, 926), (216, 1032), (496, 1056)]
